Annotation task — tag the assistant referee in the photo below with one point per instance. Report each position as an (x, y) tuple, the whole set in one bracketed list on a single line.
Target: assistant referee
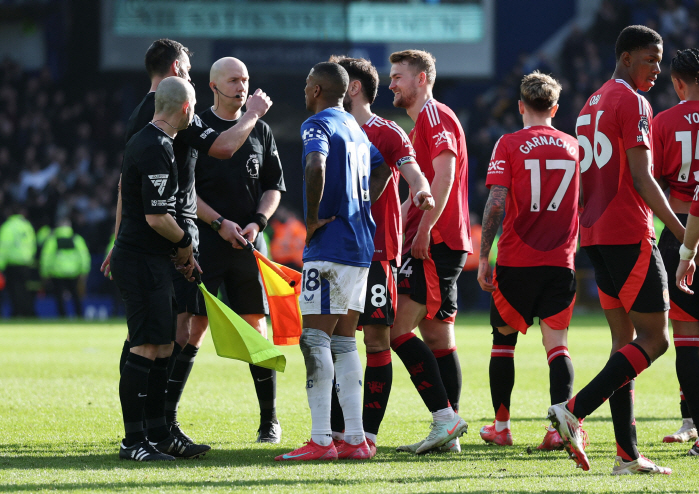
[(141, 264), (238, 194)]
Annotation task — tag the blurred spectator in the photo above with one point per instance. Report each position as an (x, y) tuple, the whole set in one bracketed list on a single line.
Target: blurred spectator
[(17, 251), (289, 238), (64, 265)]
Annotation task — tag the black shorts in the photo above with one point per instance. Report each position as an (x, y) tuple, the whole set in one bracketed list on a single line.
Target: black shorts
[(381, 296), (432, 281), (189, 297), (145, 283), (683, 307), (523, 293), (236, 270), (631, 276)]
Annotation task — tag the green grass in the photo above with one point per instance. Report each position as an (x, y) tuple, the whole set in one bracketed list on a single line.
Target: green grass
[(60, 423)]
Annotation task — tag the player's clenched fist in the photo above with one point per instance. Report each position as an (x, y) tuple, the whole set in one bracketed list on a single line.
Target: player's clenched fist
[(259, 103), (423, 200)]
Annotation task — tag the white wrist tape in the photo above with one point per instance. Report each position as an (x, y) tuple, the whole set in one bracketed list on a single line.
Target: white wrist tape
[(687, 254)]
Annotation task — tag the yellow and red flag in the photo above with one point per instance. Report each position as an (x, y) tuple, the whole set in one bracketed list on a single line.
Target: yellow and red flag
[(283, 288)]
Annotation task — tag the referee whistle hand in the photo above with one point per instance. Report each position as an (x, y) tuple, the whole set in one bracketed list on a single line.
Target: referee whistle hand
[(423, 201), (685, 276), (106, 265), (485, 275), (259, 103), (312, 226)]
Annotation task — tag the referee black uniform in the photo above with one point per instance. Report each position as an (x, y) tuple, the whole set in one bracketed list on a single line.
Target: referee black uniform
[(233, 187)]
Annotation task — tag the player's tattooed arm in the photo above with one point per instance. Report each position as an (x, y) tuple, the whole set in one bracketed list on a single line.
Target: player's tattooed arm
[(492, 217), (378, 181), (315, 183)]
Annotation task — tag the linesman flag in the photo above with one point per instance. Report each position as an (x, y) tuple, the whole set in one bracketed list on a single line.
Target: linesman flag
[(234, 338), (283, 288)]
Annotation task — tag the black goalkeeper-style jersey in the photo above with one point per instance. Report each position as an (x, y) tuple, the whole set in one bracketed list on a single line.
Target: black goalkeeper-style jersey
[(196, 138), (233, 187), (148, 186)]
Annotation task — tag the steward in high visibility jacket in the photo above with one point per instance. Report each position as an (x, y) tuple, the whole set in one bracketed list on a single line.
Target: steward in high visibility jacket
[(64, 260), (17, 251)]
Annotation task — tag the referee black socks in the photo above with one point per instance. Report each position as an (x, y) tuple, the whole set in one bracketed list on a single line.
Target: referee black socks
[(178, 378), (133, 390), (266, 388), (154, 410), (176, 349), (125, 350)]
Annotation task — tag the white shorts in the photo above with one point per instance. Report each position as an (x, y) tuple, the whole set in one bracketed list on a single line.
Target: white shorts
[(332, 288)]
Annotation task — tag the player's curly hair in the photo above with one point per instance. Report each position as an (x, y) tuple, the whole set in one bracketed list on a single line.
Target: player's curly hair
[(540, 92), (161, 54), (636, 37), (423, 61), (685, 65), (362, 70)]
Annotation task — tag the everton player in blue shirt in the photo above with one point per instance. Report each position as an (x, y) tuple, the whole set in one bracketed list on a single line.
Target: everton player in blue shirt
[(344, 173)]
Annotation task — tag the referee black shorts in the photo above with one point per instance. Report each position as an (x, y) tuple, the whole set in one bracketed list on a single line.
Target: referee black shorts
[(381, 295), (523, 293), (145, 283), (432, 281), (631, 276), (189, 297), (683, 307), (236, 270)]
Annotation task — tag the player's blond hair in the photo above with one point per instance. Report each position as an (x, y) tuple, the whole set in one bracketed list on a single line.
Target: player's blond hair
[(421, 60), (539, 91)]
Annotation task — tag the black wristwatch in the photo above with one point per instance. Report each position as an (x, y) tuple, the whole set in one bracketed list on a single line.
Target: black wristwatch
[(216, 224)]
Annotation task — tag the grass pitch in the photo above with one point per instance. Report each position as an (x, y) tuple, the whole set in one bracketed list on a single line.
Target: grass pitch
[(60, 423)]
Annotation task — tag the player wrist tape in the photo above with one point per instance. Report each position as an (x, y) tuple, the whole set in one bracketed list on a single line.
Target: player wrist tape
[(260, 219), (185, 241), (687, 254)]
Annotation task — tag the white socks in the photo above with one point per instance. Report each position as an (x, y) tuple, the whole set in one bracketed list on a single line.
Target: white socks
[(501, 425), (315, 346), (443, 415), (348, 384)]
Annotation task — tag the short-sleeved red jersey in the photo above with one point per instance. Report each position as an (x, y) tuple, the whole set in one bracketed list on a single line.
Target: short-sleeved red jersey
[(614, 119), (539, 166), (676, 148), (394, 145), (436, 130)]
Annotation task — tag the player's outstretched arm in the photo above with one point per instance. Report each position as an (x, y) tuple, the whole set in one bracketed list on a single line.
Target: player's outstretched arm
[(639, 158), (685, 270), (228, 142), (444, 166), (378, 181), (492, 217), (106, 265), (229, 231), (315, 183), (419, 186)]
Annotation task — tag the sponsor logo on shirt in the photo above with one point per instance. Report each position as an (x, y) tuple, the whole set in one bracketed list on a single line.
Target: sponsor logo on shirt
[(311, 134), (253, 166), (643, 125), (206, 133), (158, 203), (495, 168), (442, 137), (159, 182)]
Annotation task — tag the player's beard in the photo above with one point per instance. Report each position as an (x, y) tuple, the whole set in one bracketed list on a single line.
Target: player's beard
[(405, 99), (347, 103)]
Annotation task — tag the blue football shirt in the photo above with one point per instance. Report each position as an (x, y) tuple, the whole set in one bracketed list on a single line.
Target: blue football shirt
[(350, 157)]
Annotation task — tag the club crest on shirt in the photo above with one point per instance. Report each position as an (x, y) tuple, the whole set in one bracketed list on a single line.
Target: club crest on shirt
[(253, 166), (643, 126)]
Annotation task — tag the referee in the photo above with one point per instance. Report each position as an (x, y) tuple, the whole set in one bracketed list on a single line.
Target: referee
[(238, 195), (140, 265)]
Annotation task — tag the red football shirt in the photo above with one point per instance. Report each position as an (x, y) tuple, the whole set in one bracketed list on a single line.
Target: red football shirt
[(539, 166), (394, 145), (614, 119), (436, 130), (676, 148)]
